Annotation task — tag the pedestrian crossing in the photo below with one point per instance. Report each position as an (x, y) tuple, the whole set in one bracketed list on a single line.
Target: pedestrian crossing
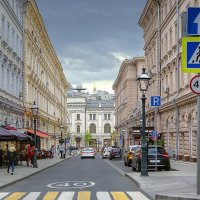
[(71, 195)]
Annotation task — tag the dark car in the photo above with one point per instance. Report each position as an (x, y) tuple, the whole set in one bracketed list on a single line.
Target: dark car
[(162, 161), (115, 153)]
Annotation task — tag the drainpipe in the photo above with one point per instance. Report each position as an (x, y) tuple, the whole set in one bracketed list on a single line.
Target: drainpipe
[(158, 62), (178, 81)]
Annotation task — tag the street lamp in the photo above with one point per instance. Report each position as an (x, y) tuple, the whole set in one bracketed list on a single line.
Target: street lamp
[(143, 84), (70, 151), (61, 130), (34, 109)]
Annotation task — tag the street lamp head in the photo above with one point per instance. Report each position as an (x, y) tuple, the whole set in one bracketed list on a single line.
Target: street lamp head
[(61, 127), (34, 109), (143, 81)]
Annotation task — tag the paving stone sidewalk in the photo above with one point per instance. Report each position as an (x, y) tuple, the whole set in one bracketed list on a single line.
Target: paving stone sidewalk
[(178, 184)]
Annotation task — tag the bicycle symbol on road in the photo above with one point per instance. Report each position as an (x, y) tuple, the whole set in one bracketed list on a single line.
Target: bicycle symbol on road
[(71, 184)]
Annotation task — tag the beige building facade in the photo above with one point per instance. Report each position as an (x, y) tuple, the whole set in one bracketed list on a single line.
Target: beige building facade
[(44, 80), (175, 119), (127, 99)]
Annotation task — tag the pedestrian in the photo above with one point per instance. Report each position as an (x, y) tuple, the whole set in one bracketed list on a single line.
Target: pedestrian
[(31, 153), (28, 157), (11, 155)]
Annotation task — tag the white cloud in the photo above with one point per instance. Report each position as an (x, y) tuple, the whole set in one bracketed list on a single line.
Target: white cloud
[(119, 56)]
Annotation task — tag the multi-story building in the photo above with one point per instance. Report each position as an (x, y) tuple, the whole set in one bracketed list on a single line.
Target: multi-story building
[(163, 25), (11, 63), (127, 100), (93, 113), (44, 80)]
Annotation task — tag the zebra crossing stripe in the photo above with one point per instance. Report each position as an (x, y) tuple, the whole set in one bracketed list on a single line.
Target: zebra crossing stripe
[(66, 195), (50, 196), (15, 196), (83, 195), (103, 196), (137, 196), (32, 196), (119, 195), (2, 195)]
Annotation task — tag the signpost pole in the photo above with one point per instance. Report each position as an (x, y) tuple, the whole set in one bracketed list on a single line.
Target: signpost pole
[(198, 144)]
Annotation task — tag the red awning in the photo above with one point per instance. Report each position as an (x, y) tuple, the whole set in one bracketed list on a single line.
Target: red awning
[(38, 133)]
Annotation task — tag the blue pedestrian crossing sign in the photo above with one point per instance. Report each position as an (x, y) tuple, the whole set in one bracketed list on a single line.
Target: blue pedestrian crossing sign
[(155, 101), (193, 21), (191, 54)]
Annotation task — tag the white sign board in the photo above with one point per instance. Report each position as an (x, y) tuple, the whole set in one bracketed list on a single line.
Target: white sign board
[(195, 84)]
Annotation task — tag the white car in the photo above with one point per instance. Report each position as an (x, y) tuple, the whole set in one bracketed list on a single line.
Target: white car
[(106, 152), (88, 153)]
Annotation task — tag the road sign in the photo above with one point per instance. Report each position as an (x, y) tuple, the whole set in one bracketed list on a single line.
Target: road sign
[(195, 84), (155, 101), (154, 135), (191, 54), (193, 21)]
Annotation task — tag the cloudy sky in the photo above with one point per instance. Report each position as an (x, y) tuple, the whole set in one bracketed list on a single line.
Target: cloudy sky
[(93, 37)]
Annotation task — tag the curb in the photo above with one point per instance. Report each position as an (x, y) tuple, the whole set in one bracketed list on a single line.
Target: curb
[(138, 184), (176, 197), (34, 173)]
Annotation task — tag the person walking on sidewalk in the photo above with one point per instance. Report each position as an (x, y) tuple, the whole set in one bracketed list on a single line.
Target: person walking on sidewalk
[(11, 155)]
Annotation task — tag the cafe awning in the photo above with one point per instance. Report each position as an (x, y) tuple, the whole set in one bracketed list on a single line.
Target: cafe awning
[(20, 136), (6, 135), (38, 133)]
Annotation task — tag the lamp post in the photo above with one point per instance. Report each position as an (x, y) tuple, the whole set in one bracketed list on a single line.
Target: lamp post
[(34, 109), (143, 84), (61, 131)]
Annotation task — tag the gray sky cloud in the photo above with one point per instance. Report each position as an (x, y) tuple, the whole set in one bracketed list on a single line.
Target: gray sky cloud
[(92, 37)]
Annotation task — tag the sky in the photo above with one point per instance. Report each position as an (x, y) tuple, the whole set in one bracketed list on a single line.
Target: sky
[(92, 37)]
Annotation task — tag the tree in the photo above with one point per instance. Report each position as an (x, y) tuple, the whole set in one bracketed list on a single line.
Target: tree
[(88, 138), (113, 137)]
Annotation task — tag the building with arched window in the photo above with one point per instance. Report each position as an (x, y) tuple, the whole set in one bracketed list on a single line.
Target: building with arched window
[(91, 113)]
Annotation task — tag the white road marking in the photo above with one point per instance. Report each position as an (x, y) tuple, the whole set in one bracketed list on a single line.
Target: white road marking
[(66, 195), (2, 195), (103, 196), (137, 196), (32, 196)]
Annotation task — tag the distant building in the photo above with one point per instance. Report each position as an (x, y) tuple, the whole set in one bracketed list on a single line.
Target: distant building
[(93, 113)]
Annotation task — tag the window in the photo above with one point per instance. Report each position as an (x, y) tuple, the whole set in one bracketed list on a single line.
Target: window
[(78, 117), (92, 128), (106, 116), (92, 116), (107, 128), (78, 129)]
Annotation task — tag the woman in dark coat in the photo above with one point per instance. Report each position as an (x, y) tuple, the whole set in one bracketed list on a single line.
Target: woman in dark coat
[(11, 155)]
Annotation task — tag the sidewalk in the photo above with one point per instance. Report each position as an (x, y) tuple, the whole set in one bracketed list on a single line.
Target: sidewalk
[(22, 171), (178, 184)]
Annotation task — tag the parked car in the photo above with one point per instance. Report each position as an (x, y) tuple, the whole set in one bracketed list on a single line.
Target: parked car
[(114, 153), (128, 154), (163, 161), (106, 152), (88, 153)]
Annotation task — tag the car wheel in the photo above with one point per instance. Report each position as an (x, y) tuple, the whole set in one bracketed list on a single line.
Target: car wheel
[(168, 168), (81, 157), (110, 158), (93, 157), (128, 163)]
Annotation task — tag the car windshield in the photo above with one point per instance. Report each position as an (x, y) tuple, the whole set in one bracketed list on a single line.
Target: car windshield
[(88, 149), (152, 151), (134, 148)]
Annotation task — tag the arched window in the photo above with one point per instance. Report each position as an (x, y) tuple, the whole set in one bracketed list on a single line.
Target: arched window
[(92, 128), (107, 128), (78, 129)]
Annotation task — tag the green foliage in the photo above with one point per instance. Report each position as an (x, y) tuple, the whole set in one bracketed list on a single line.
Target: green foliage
[(113, 135), (88, 138)]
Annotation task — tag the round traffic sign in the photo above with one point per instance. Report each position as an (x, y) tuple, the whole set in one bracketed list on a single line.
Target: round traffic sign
[(195, 84)]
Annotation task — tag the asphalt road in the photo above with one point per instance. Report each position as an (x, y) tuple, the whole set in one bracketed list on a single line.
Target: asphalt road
[(76, 175)]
